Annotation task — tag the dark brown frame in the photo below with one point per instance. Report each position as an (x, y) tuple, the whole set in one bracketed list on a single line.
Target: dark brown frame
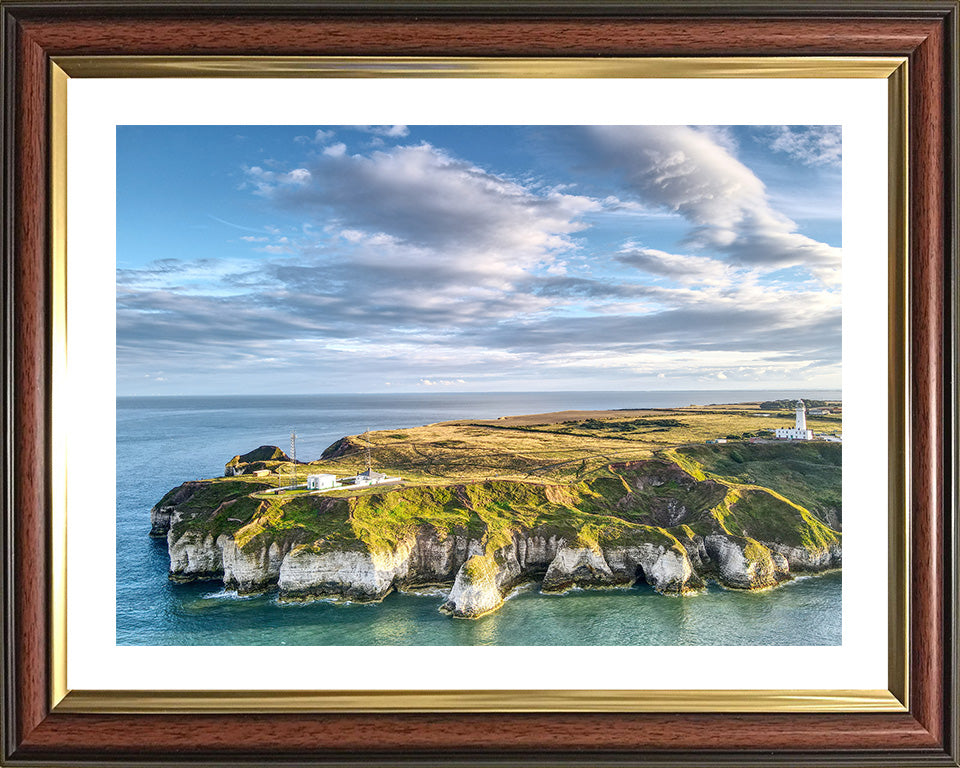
[(925, 32)]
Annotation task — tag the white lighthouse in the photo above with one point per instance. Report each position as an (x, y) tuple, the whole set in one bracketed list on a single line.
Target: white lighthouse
[(800, 431)]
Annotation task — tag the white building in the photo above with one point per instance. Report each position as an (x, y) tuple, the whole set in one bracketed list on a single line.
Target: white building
[(369, 478), (800, 431), (321, 482)]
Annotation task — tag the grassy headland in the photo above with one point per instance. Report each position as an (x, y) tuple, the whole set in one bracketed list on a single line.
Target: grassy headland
[(589, 479)]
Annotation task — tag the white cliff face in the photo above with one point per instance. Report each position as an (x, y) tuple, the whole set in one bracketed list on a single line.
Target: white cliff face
[(252, 569), (669, 571), (352, 575), (195, 555), (304, 573), (666, 569), (578, 566), (307, 574), (436, 561), (480, 579), (730, 561), (535, 551), (802, 559)]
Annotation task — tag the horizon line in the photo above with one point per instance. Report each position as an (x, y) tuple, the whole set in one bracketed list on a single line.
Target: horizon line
[(472, 392)]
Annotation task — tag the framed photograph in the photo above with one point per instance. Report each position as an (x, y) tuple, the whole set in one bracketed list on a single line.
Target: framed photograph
[(402, 384)]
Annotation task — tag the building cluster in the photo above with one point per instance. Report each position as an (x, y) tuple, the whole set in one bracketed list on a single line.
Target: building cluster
[(324, 482)]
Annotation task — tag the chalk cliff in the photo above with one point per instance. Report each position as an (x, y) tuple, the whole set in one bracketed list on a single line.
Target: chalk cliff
[(654, 522)]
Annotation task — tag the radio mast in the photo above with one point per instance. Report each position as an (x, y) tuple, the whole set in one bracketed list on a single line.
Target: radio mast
[(293, 455)]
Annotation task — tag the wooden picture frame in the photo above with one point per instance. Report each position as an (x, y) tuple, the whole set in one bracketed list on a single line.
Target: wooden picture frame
[(39, 730)]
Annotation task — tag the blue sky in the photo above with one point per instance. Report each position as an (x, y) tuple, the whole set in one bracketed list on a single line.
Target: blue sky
[(306, 259)]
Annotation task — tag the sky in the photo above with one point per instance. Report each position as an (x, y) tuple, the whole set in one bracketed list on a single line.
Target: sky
[(348, 259)]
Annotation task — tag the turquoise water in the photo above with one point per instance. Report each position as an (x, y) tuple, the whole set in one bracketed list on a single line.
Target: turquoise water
[(163, 441), (805, 612)]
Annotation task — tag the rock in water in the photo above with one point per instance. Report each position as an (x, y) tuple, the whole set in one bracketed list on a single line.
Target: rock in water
[(482, 582)]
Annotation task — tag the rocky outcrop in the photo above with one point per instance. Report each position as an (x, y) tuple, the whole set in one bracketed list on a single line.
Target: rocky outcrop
[(481, 584), (259, 458), (160, 521), (475, 590), (746, 564)]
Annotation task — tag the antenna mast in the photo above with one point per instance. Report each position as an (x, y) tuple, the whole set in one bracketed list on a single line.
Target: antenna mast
[(293, 454), (367, 436)]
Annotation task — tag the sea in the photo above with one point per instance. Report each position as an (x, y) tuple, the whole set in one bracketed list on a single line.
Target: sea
[(164, 441)]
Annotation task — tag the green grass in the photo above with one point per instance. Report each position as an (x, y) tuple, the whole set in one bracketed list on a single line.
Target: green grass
[(215, 506), (383, 519), (763, 516), (809, 474)]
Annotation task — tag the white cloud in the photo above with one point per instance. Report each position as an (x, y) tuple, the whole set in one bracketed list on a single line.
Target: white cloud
[(411, 262), (811, 145), (682, 169), (297, 176), (391, 131), (320, 136), (448, 212), (265, 181), (687, 171), (441, 382)]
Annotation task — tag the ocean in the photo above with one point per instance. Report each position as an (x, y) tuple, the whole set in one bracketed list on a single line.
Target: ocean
[(164, 441)]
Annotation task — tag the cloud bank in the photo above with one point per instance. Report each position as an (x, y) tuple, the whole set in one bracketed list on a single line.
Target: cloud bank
[(414, 265)]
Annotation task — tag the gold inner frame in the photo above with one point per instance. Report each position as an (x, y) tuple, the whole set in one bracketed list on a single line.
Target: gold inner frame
[(895, 699)]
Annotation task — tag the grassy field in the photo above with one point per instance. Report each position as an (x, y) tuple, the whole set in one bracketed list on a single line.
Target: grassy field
[(565, 447)]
